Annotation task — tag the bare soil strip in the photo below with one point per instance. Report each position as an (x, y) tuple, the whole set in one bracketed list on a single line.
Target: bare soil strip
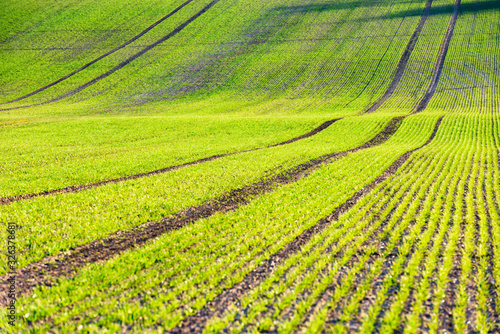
[(439, 65), (403, 61), (197, 322), (74, 189), (123, 63), (47, 270), (309, 134), (142, 33)]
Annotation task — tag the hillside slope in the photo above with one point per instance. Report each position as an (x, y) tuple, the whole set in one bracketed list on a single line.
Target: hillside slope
[(277, 166)]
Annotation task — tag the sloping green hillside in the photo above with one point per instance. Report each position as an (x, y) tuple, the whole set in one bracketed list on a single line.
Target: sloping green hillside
[(243, 166)]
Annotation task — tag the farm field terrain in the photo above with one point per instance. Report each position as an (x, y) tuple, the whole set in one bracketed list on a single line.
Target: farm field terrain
[(281, 166)]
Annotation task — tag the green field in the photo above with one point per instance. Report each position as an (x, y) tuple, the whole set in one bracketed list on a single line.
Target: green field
[(282, 166)]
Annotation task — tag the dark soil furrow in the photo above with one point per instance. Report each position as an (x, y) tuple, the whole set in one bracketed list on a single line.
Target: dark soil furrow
[(309, 134), (439, 65), (379, 244), (380, 61), (123, 63), (74, 189), (403, 61), (45, 271), (365, 247), (197, 322), (14, 36)]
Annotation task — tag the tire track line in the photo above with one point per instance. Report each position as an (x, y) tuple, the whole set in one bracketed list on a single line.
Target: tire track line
[(123, 63), (371, 280), (197, 322), (440, 63), (403, 62), (45, 271), (15, 35), (142, 33), (380, 61), (74, 189), (374, 249)]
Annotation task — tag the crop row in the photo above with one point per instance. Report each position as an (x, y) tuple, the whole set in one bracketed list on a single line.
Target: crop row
[(82, 151), (327, 67), (180, 271), (269, 65), (69, 39), (471, 75), (391, 262), (258, 57), (61, 161), (340, 65), (47, 164), (419, 70), (66, 220)]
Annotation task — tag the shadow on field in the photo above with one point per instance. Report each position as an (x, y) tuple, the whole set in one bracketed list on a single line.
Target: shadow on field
[(322, 7), (477, 6)]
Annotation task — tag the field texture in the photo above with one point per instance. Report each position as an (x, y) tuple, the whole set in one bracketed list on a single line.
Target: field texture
[(281, 166)]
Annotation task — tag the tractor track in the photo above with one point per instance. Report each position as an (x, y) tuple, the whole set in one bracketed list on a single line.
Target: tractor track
[(403, 62), (74, 189), (142, 33), (15, 35), (45, 271), (380, 60), (440, 63), (197, 322), (123, 63), (438, 68)]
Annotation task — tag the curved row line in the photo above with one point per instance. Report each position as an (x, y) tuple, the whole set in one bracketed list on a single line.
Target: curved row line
[(380, 60), (196, 323), (74, 189), (403, 62), (400, 69), (123, 63), (439, 65), (44, 271), (142, 33)]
